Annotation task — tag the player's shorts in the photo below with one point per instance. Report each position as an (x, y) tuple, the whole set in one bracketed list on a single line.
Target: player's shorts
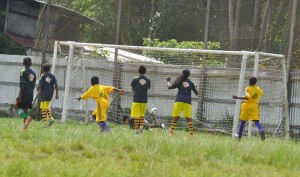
[(44, 104), (249, 112), (25, 105), (182, 107), (101, 109), (138, 110)]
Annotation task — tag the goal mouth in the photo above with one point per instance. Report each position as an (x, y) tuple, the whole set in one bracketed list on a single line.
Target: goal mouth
[(217, 74)]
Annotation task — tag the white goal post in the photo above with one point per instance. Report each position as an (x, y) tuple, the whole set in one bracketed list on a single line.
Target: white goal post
[(225, 73)]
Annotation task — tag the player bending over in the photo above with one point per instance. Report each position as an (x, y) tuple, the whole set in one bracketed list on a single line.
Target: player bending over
[(99, 93), (250, 107), (25, 97), (140, 86), (183, 102), (46, 88)]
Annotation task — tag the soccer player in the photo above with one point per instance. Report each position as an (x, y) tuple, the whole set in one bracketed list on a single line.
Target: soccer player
[(183, 102), (140, 86), (25, 97), (99, 93), (250, 107), (46, 87)]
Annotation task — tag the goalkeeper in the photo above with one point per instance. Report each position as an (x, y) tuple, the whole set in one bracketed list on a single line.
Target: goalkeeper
[(250, 107), (99, 93), (183, 102)]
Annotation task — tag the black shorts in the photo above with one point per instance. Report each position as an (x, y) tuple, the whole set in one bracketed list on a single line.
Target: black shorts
[(25, 105)]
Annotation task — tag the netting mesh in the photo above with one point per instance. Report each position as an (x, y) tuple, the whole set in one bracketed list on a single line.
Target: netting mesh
[(216, 75)]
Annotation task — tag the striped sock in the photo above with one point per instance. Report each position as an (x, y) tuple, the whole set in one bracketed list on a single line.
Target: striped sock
[(191, 127), (44, 114), (142, 120), (136, 123), (173, 126), (49, 114)]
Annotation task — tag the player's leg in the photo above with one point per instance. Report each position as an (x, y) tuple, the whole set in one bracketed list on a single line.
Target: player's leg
[(49, 114), (177, 107), (244, 116), (142, 114), (104, 104), (135, 114), (23, 112), (187, 112), (254, 116), (44, 108), (241, 129)]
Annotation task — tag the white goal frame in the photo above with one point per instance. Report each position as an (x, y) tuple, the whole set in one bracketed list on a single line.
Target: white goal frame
[(244, 54)]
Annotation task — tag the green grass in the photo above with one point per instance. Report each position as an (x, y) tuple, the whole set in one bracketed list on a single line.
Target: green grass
[(75, 149)]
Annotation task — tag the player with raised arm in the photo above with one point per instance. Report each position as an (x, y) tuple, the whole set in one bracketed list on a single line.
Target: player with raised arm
[(100, 94), (140, 86), (46, 87), (183, 102), (25, 97), (250, 108)]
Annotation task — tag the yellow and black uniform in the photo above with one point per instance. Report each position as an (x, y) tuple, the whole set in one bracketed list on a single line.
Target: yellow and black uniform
[(140, 86), (46, 83), (250, 107), (100, 94)]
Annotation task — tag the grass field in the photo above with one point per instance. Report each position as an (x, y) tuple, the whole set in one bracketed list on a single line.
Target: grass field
[(75, 149)]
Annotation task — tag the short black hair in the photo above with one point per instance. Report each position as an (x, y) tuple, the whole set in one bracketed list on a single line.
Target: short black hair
[(46, 67), (252, 81), (94, 80), (186, 73), (27, 61), (142, 69), (125, 117)]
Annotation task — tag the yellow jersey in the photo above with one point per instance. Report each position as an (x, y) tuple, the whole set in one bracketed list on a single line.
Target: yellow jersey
[(253, 93), (98, 92)]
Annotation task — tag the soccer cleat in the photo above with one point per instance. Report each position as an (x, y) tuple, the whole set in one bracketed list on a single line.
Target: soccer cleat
[(45, 126), (27, 121), (237, 137), (171, 134), (103, 127), (50, 122), (262, 135)]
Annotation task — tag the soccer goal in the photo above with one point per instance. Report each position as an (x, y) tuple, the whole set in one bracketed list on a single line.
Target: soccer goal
[(217, 74)]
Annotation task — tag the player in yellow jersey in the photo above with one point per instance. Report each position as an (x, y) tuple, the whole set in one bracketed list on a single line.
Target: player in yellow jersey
[(99, 93), (250, 107)]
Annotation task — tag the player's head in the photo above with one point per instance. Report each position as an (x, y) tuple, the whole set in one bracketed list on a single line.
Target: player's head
[(27, 61), (142, 69), (94, 80), (46, 67), (125, 119), (186, 73), (252, 81)]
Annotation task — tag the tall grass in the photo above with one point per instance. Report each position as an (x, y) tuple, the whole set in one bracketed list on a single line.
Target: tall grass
[(75, 149)]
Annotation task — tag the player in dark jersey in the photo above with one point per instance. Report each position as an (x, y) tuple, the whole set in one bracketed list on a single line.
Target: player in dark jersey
[(25, 97), (46, 87), (140, 86), (183, 102)]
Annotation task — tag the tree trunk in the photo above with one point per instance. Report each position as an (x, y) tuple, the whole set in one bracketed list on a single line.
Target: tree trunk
[(267, 31), (256, 22), (231, 23), (263, 27), (237, 25)]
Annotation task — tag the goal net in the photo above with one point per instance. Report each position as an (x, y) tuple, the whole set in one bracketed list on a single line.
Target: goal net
[(217, 74)]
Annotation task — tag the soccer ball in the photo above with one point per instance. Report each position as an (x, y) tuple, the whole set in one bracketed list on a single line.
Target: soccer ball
[(154, 111)]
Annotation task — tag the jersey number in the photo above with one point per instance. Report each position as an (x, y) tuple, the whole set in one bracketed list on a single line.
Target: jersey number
[(254, 96)]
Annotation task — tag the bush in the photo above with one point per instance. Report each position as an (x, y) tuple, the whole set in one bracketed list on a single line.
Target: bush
[(10, 47)]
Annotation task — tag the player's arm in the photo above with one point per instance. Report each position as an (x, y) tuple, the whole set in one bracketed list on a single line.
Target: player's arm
[(119, 90), (56, 88), (195, 89), (132, 85), (88, 94), (241, 98)]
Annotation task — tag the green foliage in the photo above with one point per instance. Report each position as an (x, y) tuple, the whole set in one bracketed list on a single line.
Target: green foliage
[(181, 58), (45, 152), (10, 47)]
